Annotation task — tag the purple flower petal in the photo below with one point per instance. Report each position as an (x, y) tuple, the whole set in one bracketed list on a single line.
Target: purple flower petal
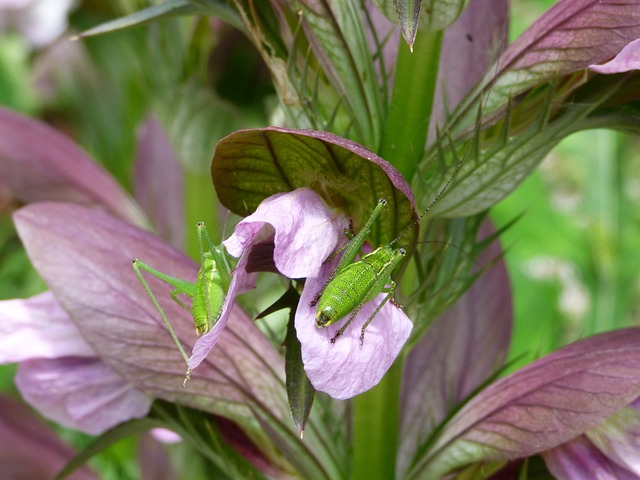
[(38, 328), (206, 342), (347, 368), (628, 59), (30, 449), (306, 233), (80, 393), (37, 163)]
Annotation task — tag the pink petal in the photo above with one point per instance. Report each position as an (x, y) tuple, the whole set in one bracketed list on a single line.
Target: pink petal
[(38, 327), (628, 59), (206, 342), (346, 368), (164, 435), (305, 232), (83, 394)]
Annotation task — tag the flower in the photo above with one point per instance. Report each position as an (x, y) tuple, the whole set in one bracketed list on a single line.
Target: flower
[(304, 233), (349, 367)]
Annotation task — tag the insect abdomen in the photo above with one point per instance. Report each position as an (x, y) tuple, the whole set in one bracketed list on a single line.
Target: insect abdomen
[(208, 283), (345, 293)]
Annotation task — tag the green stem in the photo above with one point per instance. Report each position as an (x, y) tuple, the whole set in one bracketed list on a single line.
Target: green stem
[(376, 412), (414, 87), (375, 428)]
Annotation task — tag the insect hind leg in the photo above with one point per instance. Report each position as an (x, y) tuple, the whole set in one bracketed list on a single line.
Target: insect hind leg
[(386, 299)]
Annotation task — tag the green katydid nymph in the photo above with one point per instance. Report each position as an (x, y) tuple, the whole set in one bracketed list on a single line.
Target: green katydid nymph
[(354, 283), (207, 293)]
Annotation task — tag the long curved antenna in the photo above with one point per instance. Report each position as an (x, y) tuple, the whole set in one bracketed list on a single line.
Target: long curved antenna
[(481, 109)]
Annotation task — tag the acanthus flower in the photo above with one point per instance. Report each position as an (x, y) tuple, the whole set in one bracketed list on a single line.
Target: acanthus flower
[(304, 234)]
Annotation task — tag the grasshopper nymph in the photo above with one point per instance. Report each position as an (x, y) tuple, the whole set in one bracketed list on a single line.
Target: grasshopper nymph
[(208, 293)]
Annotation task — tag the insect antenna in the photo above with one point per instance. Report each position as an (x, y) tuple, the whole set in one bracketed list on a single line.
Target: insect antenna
[(459, 159)]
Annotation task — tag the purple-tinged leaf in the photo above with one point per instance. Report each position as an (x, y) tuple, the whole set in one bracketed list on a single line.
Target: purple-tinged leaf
[(251, 165), (30, 449), (553, 54), (85, 257), (159, 183), (542, 405), (59, 373), (80, 393), (628, 59), (470, 46), (459, 352), (570, 36), (38, 163), (580, 458)]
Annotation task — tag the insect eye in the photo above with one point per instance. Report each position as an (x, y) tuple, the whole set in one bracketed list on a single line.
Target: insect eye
[(402, 251)]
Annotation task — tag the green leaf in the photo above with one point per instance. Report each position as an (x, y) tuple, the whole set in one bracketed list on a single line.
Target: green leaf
[(299, 389), (337, 36), (495, 161), (435, 14), (168, 9), (307, 465), (251, 165), (409, 17)]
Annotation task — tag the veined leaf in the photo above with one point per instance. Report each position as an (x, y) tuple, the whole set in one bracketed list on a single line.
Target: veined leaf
[(540, 406), (251, 165)]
